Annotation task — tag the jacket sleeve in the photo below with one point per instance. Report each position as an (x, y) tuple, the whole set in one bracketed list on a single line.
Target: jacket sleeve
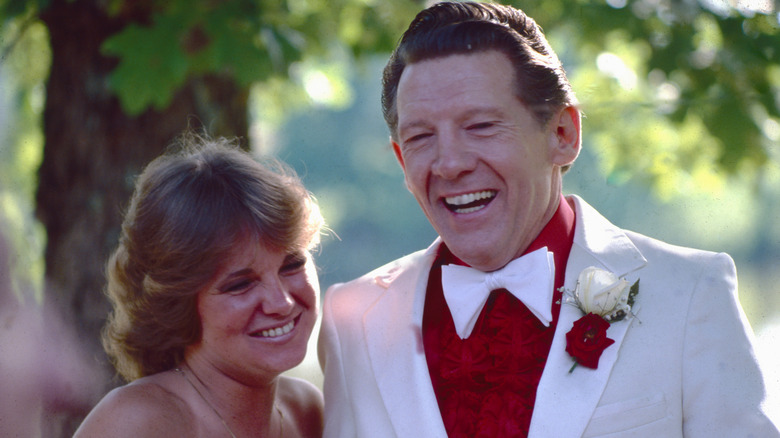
[(723, 387)]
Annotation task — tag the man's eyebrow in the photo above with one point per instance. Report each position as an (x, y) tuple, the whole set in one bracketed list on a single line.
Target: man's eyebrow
[(482, 111)]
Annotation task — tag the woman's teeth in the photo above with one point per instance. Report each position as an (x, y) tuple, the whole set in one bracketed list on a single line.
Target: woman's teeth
[(279, 331)]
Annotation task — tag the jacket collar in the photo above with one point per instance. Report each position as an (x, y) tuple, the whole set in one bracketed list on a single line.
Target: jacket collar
[(393, 333), (575, 395)]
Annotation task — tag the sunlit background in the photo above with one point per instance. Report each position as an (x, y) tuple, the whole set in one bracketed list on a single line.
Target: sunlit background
[(643, 167)]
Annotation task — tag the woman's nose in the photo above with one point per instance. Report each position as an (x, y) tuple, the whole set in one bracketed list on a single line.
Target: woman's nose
[(277, 299)]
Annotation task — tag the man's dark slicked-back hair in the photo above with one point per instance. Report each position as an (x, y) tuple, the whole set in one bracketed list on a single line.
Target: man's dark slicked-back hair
[(453, 28)]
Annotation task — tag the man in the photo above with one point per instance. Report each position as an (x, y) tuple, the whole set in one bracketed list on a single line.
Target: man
[(484, 124)]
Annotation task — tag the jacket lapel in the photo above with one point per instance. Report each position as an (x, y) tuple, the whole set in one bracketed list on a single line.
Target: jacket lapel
[(393, 334), (565, 401)]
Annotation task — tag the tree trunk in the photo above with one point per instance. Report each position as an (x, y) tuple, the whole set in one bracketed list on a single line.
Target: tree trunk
[(92, 153)]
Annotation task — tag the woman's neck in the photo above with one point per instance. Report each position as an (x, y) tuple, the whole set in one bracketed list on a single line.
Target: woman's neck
[(246, 405)]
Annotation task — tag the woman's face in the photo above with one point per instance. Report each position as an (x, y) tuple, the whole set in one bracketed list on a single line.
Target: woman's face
[(259, 312)]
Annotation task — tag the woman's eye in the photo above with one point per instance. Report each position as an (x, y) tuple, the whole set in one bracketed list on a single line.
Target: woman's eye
[(237, 287), (294, 265)]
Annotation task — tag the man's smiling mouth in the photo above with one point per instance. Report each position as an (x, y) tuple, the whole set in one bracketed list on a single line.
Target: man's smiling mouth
[(469, 202)]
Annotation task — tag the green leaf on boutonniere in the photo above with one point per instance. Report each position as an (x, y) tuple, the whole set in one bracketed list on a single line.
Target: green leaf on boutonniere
[(633, 292)]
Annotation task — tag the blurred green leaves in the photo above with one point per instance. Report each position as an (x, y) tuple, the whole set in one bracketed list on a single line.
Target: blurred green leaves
[(679, 95), (250, 41), (152, 65), (24, 67)]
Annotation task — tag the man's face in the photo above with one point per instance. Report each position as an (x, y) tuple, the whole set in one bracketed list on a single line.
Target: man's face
[(483, 169)]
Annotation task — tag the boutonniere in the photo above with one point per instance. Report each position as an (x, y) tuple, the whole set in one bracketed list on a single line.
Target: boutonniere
[(604, 298)]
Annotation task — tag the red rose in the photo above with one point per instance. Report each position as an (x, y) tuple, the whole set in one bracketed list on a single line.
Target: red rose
[(588, 339)]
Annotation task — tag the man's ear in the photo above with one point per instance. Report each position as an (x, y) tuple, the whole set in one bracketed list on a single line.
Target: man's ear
[(398, 155), (566, 136)]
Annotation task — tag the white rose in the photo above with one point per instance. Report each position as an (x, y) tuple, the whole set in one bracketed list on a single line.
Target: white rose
[(602, 292)]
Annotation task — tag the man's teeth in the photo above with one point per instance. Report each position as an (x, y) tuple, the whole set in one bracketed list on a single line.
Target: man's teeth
[(469, 202), (470, 209), (279, 331)]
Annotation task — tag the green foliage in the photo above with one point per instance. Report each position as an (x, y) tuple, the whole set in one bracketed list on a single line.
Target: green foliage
[(23, 69), (250, 41), (678, 96), (152, 65), (690, 67), (10, 9)]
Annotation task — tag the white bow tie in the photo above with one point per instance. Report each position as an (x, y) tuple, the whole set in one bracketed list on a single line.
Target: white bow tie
[(530, 278)]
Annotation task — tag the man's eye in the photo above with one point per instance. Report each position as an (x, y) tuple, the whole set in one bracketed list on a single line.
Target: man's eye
[(418, 137), (481, 125)]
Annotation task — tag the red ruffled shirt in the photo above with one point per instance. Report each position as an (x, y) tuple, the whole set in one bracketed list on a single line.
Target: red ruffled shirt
[(486, 384)]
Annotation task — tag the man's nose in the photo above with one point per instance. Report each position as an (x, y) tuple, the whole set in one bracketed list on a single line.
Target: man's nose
[(453, 157)]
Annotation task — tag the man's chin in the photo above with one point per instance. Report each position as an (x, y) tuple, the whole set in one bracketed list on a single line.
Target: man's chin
[(478, 254)]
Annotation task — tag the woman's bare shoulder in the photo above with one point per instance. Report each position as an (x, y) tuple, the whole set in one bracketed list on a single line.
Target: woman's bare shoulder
[(303, 404), (147, 407)]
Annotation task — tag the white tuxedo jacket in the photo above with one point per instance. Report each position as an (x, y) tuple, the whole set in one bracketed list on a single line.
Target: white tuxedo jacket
[(683, 367)]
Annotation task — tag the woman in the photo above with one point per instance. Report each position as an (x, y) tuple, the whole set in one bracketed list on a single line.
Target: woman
[(215, 295)]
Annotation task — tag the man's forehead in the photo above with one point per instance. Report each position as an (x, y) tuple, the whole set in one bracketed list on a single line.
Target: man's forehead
[(473, 79)]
